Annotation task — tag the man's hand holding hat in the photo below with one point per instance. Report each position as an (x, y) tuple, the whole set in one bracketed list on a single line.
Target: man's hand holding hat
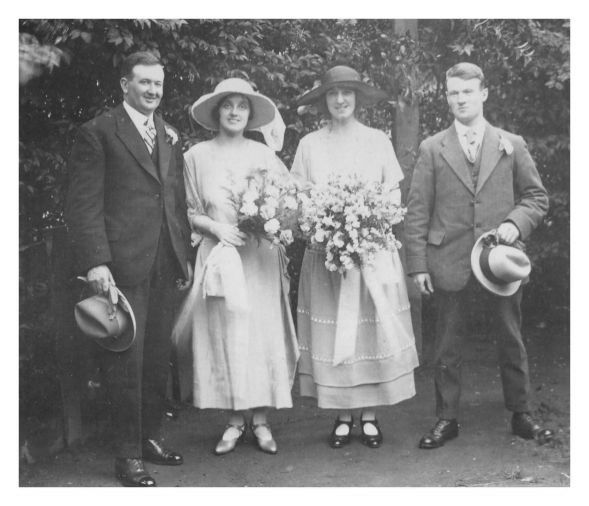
[(507, 233), (101, 282)]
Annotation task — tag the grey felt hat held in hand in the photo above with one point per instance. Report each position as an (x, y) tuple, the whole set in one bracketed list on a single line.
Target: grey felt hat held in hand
[(114, 331)]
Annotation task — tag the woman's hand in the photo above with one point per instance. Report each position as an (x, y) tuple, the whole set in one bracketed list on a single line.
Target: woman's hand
[(228, 234)]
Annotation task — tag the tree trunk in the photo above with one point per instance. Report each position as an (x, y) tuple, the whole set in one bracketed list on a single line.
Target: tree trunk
[(405, 137)]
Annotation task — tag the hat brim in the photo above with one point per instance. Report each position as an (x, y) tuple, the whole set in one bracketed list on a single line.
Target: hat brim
[(126, 339), (202, 110), (503, 290), (368, 94)]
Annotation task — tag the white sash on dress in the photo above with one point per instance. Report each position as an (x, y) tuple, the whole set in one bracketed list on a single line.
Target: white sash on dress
[(384, 285)]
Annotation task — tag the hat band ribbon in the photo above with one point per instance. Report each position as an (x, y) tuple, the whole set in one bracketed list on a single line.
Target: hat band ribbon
[(484, 263)]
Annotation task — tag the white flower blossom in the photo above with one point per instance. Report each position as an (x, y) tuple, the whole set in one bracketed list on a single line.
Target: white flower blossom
[(290, 203), (272, 226), (267, 211), (249, 209), (250, 195), (319, 235), (286, 236)]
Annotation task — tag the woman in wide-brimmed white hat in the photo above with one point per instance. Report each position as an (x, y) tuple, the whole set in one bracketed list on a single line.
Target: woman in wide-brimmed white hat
[(380, 370), (237, 315)]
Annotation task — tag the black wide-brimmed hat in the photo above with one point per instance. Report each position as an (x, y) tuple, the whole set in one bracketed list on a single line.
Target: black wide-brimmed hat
[(343, 77)]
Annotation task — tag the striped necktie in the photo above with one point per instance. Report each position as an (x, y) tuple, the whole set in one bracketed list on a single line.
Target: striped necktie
[(471, 145), (149, 136)]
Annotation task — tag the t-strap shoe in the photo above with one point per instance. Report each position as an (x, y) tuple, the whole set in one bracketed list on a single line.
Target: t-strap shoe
[(370, 440), (227, 443), (266, 444), (336, 440)]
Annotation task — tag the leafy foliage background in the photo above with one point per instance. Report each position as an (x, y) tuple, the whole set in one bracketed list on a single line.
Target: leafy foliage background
[(73, 77)]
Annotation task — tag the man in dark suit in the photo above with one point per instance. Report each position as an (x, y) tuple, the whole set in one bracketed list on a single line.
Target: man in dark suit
[(127, 221), (469, 179)]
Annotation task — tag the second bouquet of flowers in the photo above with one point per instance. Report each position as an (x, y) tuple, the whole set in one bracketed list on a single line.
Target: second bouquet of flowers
[(351, 219)]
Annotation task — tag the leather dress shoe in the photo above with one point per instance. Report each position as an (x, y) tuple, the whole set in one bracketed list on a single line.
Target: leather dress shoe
[(442, 431), (266, 445), (337, 441), (524, 426), (154, 452), (131, 473), (370, 440), (228, 445)]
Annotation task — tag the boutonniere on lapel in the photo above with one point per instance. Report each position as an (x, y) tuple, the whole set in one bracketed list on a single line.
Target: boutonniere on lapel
[(505, 145), (171, 136)]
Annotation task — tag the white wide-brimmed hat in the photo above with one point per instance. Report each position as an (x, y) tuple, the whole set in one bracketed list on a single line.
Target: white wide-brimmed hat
[(263, 108), (500, 268)]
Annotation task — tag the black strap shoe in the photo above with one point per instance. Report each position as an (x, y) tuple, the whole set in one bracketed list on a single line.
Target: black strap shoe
[(154, 452), (368, 439), (336, 441), (524, 426), (131, 473), (442, 431)]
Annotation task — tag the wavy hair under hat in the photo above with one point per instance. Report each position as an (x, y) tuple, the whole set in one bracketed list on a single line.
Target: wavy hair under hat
[(203, 110)]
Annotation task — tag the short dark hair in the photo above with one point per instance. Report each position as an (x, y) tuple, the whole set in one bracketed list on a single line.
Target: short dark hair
[(466, 70), (138, 58), (216, 112)]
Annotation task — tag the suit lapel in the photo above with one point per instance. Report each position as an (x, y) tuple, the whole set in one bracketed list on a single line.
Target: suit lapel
[(490, 155), (164, 147), (131, 138), (452, 152)]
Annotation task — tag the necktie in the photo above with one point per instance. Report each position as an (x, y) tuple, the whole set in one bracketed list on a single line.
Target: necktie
[(471, 145), (149, 136)]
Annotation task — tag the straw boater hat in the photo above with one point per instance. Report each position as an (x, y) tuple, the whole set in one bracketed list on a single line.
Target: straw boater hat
[(113, 331), (343, 77), (262, 107), (498, 267)]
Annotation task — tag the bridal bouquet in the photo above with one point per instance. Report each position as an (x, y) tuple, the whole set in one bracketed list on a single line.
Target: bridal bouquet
[(267, 206), (351, 219)]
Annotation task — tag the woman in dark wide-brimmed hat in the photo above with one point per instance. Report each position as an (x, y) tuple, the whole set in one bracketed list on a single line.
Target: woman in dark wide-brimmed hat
[(379, 371), (236, 317)]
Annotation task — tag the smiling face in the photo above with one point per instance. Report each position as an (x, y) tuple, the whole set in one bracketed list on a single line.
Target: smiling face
[(144, 88), (234, 113), (341, 103), (466, 98)]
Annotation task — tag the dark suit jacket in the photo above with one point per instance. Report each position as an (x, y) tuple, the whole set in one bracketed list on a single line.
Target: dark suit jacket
[(116, 198), (446, 214)]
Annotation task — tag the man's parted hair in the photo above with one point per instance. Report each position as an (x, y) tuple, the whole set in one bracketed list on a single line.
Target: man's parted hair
[(466, 70), (138, 58)]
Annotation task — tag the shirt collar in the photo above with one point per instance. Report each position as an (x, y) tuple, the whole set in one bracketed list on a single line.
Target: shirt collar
[(138, 118), (478, 127)]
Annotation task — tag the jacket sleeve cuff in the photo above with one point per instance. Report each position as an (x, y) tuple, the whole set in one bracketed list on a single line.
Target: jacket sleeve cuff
[(416, 265)]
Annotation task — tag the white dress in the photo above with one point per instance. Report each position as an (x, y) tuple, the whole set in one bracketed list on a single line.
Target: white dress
[(380, 372), (240, 359)]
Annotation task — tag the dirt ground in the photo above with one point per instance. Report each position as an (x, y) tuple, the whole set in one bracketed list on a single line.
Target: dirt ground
[(485, 454)]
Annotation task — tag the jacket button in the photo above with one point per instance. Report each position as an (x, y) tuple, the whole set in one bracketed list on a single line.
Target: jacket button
[(156, 196)]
